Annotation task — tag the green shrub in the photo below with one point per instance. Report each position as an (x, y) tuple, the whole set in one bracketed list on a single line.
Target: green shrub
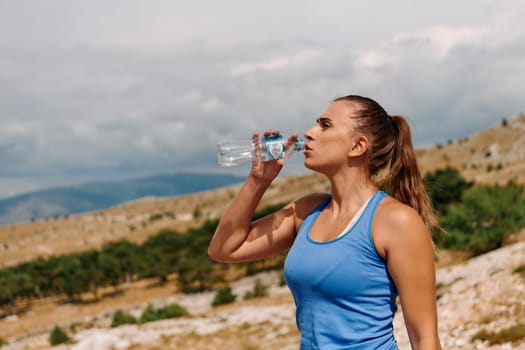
[(259, 290), (197, 213), (151, 314), (121, 318), (482, 335), (224, 296), (510, 334), (2, 342), (484, 218), (58, 336), (445, 186), (282, 280), (520, 269)]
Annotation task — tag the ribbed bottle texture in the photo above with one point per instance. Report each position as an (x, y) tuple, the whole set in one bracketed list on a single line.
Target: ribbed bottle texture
[(233, 153)]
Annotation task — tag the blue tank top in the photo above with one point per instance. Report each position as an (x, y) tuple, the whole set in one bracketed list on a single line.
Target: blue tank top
[(344, 295)]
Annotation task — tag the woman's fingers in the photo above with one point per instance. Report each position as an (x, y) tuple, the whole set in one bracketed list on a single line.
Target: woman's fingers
[(271, 132), (257, 146), (261, 168)]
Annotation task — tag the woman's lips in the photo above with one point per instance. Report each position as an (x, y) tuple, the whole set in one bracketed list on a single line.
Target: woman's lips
[(307, 149)]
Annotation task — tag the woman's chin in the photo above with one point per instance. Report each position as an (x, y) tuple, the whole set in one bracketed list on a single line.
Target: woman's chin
[(309, 165)]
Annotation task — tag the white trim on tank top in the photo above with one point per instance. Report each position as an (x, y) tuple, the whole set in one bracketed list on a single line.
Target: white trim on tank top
[(355, 218)]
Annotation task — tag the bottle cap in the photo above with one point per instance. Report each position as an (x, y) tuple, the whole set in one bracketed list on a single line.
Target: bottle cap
[(299, 144)]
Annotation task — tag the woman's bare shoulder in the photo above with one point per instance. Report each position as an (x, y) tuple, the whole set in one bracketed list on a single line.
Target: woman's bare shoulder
[(393, 212), (398, 225)]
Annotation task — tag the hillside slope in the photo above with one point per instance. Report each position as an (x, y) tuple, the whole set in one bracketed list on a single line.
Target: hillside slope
[(495, 155), (103, 194)]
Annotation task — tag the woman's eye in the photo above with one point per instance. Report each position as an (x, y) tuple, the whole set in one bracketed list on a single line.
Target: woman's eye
[(323, 123)]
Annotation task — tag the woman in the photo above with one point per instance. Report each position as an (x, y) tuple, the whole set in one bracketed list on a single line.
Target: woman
[(352, 252)]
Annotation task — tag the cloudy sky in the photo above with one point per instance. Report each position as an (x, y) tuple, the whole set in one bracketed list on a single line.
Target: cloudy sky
[(106, 89)]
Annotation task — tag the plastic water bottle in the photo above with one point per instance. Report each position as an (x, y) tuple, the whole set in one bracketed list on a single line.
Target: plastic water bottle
[(273, 147)]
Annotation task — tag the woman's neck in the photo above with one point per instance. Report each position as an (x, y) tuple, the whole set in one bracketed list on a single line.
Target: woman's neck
[(350, 191)]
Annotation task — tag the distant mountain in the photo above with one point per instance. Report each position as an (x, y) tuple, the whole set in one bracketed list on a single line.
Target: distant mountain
[(99, 195)]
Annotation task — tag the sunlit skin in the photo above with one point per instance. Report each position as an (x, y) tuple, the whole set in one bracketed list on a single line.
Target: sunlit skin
[(331, 139), (334, 148)]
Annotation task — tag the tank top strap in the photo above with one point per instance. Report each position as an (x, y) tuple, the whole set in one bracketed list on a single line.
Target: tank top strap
[(368, 217), (374, 202)]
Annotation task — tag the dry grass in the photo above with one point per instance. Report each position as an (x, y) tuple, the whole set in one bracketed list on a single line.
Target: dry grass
[(512, 334), (247, 336), (494, 155), (50, 311)]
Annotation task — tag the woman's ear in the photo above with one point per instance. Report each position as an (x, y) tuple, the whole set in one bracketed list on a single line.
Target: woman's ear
[(359, 147)]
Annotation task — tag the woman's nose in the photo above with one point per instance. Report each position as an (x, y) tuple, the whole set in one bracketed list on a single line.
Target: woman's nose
[(308, 134)]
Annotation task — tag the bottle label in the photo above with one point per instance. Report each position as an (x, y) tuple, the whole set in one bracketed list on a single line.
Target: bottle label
[(273, 147), (275, 150)]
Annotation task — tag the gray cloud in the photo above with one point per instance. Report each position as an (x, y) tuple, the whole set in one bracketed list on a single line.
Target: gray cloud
[(112, 89)]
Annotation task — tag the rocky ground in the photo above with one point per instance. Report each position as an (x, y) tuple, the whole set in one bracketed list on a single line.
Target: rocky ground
[(481, 294)]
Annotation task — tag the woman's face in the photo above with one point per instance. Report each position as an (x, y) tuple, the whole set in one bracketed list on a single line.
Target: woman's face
[(331, 139)]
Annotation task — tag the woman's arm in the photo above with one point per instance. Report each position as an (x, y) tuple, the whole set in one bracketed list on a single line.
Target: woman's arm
[(404, 241), (236, 237)]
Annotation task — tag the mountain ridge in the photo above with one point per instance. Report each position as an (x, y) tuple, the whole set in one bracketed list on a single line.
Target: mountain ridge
[(98, 195)]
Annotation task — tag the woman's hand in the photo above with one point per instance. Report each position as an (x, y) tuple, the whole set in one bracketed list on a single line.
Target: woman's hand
[(267, 170)]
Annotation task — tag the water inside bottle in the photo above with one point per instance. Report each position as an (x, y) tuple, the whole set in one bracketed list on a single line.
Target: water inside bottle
[(234, 153)]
